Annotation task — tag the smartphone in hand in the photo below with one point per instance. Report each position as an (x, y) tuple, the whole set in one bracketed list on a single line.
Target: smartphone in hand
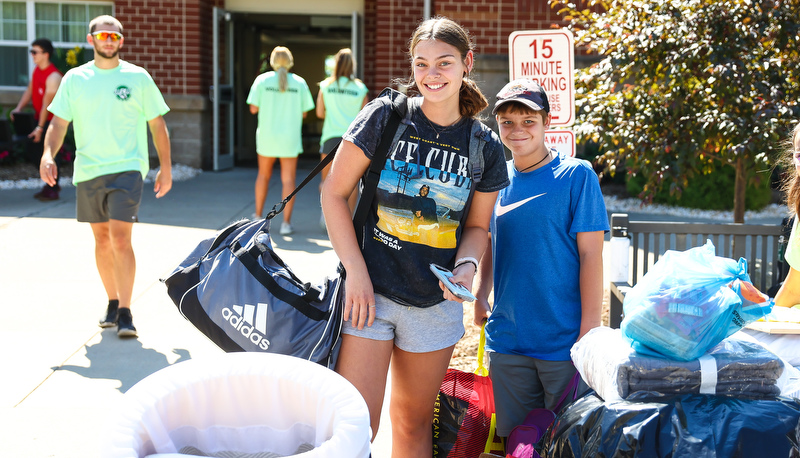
[(457, 289)]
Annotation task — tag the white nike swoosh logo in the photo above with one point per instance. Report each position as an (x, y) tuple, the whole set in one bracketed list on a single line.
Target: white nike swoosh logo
[(503, 209)]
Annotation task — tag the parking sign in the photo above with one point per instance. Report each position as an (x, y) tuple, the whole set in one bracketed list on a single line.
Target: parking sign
[(547, 57), (563, 140)]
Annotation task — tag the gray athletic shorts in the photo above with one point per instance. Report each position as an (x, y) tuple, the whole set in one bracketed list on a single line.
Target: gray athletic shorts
[(413, 329), (521, 384), (115, 196)]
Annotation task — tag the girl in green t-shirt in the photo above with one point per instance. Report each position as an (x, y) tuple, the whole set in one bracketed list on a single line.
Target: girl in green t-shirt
[(341, 96), (281, 99)]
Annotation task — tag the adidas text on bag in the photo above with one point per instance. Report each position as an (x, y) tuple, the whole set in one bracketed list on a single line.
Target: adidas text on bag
[(242, 319)]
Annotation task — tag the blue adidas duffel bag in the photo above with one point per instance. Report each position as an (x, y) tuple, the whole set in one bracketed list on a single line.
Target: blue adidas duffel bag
[(238, 292)]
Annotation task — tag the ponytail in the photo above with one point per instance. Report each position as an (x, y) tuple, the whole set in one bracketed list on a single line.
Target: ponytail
[(281, 61), (471, 100), (283, 79)]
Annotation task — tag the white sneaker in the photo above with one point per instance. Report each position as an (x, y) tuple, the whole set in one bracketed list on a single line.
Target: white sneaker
[(286, 228)]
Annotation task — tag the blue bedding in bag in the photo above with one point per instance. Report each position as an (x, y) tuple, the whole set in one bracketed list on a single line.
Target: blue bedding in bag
[(690, 301)]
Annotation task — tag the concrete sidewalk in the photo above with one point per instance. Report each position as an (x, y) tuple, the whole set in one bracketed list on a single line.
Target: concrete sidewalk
[(64, 376)]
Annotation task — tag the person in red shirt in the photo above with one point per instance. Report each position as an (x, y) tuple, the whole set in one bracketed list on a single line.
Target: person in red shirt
[(40, 92)]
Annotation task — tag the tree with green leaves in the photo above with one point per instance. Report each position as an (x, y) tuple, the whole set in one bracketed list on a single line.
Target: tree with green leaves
[(687, 87)]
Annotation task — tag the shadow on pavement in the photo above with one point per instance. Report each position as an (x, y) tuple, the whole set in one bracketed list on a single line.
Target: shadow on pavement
[(125, 360)]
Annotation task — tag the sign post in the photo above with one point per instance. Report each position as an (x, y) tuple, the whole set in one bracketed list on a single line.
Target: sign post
[(547, 57)]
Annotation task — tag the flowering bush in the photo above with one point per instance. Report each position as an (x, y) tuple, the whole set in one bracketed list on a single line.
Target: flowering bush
[(13, 154), (65, 59), (65, 155)]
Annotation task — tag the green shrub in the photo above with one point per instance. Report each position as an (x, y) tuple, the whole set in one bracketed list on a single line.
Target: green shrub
[(709, 192)]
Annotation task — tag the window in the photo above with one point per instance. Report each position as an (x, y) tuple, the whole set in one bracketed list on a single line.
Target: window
[(65, 24)]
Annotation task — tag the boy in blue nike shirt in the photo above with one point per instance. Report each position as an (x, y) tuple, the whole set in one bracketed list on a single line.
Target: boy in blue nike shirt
[(545, 261)]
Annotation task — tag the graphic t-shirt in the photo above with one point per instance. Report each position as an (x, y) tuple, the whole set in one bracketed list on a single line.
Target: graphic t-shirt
[(109, 110), (280, 114), (343, 99), (535, 225), (399, 247)]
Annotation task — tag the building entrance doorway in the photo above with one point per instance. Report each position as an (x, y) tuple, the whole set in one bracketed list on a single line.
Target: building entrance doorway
[(311, 39)]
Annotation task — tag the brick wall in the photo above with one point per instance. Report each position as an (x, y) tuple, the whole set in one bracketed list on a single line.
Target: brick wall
[(390, 23), (491, 21), (171, 39), (388, 27)]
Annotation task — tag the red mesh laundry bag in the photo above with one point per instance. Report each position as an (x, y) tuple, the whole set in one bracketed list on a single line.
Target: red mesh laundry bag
[(463, 421)]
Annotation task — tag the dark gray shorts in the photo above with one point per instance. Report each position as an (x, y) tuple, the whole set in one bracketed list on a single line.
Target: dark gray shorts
[(413, 329), (521, 384), (115, 196)]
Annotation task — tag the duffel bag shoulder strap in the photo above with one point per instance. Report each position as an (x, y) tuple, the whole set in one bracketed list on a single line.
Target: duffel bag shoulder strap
[(321, 165), (400, 108), (250, 261)]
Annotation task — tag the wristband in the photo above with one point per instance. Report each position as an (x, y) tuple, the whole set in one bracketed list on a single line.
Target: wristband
[(38, 127), (465, 260)]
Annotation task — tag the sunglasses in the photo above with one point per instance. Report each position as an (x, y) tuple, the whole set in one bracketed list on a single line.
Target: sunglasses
[(103, 36), (34, 52)]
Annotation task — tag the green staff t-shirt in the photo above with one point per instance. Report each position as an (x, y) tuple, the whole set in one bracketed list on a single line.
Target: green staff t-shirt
[(109, 110), (280, 114), (343, 100)]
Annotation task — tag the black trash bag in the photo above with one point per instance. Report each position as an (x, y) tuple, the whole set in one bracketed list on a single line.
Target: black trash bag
[(684, 426)]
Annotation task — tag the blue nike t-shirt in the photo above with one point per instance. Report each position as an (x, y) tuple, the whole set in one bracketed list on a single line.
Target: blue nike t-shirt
[(536, 220)]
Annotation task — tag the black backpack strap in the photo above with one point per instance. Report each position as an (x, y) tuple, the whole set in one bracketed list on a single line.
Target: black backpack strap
[(399, 110), (477, 141)]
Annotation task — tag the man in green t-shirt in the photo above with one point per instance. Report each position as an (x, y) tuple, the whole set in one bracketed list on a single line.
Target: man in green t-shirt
[(110, 103)]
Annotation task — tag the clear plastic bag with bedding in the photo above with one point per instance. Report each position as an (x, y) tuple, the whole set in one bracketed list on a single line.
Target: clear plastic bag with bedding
[(688, 302)]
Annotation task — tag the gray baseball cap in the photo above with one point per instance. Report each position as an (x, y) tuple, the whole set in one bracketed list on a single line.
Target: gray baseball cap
[(524, 91)]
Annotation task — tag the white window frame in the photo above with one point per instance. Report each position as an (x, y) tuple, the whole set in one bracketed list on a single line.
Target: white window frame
[(30, 17)]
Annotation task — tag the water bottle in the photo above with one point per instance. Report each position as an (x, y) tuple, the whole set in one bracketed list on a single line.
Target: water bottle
[(620, 254)]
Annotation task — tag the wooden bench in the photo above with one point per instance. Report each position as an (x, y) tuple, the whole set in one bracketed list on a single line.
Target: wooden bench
[(759, 244)]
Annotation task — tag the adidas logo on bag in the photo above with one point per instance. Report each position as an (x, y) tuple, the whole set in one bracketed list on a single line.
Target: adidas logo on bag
[(251, 321)]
